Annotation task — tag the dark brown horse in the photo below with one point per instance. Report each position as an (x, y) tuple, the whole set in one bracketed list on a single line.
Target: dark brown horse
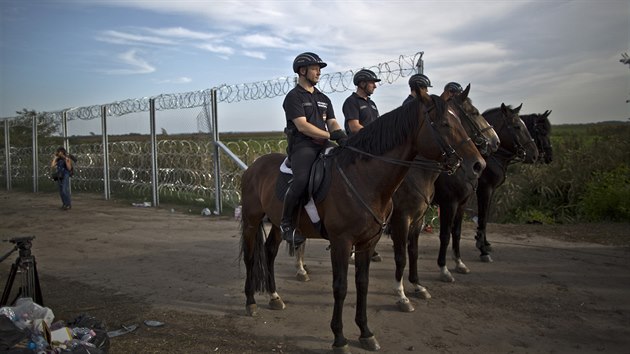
[(517, 145), (539, 128), (365, 175), (416, 192)]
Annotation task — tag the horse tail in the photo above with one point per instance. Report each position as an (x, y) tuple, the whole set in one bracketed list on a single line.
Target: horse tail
[(255, 257)]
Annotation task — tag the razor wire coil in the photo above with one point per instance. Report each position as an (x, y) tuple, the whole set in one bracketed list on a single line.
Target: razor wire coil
[(389, 72)]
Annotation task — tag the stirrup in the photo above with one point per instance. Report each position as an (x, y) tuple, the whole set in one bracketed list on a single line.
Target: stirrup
[(290, 235)]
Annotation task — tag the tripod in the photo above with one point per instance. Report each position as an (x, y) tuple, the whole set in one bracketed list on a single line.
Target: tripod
[(25, 265)]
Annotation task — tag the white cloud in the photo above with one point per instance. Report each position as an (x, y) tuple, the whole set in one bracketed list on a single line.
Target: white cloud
[(255, 55), (261, 40), (178, 80), (136, 65), (182, 33), (218, 49), (117, 37)]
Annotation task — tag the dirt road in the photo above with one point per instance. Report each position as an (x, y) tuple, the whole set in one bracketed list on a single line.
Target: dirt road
[(546, 292)]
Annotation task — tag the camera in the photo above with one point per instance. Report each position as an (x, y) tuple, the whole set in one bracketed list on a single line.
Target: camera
[(20, 241)]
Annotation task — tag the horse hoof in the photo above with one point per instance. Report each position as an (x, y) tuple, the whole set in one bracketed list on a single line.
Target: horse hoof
[(252, 310), (486, 258), (422, 294), (447, 277), (302, 277), (405, 306), (341, 350), (277, 304), (370, 344), (462, 269)]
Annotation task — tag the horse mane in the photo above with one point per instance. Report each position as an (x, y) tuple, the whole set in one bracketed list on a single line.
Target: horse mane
[(534, 119), (492, 111), (388, 131), (530, 121)]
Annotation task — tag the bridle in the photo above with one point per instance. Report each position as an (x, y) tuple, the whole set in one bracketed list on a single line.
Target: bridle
[(519, 152), (478, 138), (450, 160), (544, 145), (450, 163)]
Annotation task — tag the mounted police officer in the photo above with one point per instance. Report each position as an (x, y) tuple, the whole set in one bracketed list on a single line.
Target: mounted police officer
[(310, 124), (451, 89), (358, 109), (418, 83)]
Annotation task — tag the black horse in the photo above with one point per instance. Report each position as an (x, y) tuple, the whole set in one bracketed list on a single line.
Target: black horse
[(539, 127), (517, 145)]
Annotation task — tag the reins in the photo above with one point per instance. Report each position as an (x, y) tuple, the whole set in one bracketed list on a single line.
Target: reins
[(417, 162), (382, 223)]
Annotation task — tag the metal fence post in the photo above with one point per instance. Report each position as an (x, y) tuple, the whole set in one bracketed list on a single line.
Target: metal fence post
[(154, 163), (35, 156), (217, 157), (7, 154), (66, 141), (420, 65), (106, 186)]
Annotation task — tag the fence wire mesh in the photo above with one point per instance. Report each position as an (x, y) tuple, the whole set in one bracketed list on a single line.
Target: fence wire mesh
[(185, 161)]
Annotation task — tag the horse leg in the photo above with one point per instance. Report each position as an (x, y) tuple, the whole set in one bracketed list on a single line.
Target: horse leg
[(253, 254), (271, 247), (460, 267), (362, 280), (302, 273), (484, 198), (339, 254), (446, 223), (399, 229), (413, 251)]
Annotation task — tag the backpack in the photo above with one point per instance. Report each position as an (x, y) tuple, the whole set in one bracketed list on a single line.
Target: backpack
[(74, 164)]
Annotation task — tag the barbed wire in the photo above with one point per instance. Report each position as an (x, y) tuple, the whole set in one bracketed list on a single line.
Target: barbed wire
[(388, 72)]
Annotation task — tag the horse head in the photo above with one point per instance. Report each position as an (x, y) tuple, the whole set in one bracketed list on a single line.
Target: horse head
[(477, 127), (542, 132), (515, 138), (452, 141)]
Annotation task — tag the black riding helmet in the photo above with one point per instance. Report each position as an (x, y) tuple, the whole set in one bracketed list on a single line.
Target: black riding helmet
[(306, 59), (453, 87), (365, 75), (419, 80)]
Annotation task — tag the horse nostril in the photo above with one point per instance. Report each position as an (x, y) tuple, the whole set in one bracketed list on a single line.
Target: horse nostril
[(477, 168)]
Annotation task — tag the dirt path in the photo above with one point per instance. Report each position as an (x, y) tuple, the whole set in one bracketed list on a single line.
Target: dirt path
[(125, 265)]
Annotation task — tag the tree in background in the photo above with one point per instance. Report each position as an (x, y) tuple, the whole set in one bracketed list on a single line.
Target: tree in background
[(21, 133)]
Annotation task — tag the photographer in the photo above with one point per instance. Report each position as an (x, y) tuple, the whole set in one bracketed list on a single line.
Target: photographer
[(63, 165)]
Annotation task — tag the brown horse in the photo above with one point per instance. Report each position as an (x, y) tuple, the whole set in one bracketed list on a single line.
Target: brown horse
[(517, 145), (416, 192), (365, 175)]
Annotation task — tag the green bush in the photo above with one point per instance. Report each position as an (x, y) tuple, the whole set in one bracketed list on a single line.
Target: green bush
[(607, 196)]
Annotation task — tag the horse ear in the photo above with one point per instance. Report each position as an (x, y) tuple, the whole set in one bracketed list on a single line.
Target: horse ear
[(547, 113), (466, 92), (504, 110), (518, 109)]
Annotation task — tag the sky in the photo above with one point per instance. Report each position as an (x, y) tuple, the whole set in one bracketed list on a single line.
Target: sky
[(562, 56)]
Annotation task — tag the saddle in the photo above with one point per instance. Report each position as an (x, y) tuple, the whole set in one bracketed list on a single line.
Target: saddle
[(319, 179)]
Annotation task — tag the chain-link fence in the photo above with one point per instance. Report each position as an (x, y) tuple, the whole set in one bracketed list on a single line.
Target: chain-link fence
[(200, 167)]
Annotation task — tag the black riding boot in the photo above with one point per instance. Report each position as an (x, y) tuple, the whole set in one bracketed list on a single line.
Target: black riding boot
[(287, 225)]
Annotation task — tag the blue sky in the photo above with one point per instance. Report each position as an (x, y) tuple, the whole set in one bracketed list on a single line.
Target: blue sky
[(549, 55)]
